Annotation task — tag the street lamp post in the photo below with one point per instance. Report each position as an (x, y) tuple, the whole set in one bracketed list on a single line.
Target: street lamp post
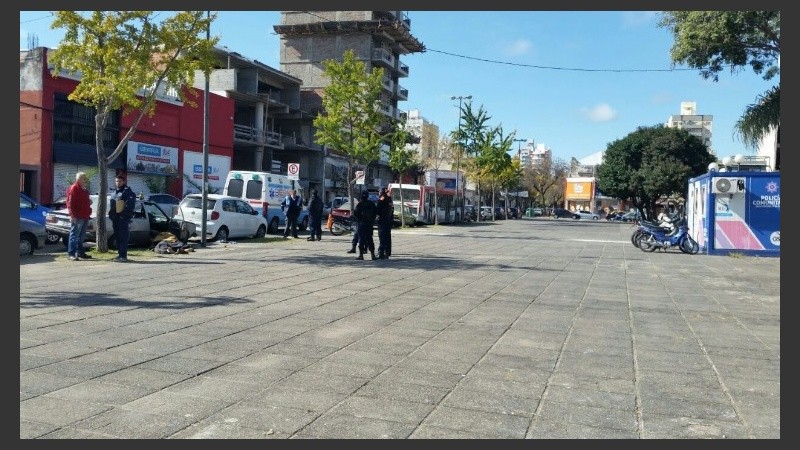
[(458, 153)]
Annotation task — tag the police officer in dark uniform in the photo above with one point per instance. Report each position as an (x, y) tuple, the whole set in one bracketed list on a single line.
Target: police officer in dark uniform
[(365, 214), (385, 221)]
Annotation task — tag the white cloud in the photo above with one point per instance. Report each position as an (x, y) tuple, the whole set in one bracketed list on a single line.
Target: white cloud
[(518, 47), (599, 113), (638, 18)]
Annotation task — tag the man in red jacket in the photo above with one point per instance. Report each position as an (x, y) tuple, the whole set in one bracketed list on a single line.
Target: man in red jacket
[(80, 209)]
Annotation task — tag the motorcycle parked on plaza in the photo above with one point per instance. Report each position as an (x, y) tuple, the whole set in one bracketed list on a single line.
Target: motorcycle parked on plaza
[(339, 225), (666, 224), (652, 238)]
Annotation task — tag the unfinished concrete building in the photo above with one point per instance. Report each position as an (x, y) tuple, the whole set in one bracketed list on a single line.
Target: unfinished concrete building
[(379, 38)]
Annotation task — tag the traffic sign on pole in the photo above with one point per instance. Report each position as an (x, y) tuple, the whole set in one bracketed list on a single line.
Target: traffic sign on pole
[(359, 177), (294, 171)]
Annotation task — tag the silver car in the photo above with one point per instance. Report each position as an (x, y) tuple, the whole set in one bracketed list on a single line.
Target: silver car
[(32, 236), (147, 222), (583, 214)]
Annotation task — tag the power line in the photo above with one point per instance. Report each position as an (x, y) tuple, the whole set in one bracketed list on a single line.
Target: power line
[(534, 66), (38, 18)]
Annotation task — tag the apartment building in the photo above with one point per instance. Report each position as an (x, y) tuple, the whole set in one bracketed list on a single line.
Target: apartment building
[(270, 130), (379, 38), (533, 154), (699, 125)]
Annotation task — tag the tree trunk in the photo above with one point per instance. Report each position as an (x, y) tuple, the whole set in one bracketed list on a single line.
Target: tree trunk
[(102, 205)]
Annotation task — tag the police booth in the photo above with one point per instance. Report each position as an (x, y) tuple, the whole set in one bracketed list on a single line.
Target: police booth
[(735, 212)]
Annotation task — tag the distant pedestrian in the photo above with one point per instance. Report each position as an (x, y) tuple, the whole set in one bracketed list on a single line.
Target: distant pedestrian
[(354, 241), (123, 202), (80, 210), (315, 208), (385, 221), (365, 214), (291, 206)]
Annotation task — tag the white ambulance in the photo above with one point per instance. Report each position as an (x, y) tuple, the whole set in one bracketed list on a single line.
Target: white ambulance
[(265, 191)]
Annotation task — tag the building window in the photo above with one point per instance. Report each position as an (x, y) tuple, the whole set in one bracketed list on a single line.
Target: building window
[(73, 123)]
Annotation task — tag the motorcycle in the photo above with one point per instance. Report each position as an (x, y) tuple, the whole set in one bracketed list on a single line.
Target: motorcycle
[(339, 225), (666, 225), (653, 238)]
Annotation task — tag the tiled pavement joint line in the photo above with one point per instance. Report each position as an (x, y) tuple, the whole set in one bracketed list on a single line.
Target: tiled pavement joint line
[(708, 358)]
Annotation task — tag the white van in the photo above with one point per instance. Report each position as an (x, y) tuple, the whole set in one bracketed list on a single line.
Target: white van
[(265, 191)]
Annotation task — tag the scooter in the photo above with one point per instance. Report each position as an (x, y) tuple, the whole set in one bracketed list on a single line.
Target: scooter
[(653, 238)]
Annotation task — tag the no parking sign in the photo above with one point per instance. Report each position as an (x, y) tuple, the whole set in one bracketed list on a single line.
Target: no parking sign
[(294, 171)]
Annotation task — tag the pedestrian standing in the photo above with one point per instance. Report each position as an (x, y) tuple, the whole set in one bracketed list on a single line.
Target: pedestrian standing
[(354, 241), (365, 213), (315, 208), (291, 206), (385, 221), (123, 202), (79, 206)]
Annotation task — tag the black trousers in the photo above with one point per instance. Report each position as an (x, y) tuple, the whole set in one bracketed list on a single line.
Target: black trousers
[(385, 240), (365, 241), (291, 226)]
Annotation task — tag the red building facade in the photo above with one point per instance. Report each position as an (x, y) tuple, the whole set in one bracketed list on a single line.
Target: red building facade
[(57, 137)]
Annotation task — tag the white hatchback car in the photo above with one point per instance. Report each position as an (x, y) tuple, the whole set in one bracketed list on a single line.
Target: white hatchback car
[(226, 217)]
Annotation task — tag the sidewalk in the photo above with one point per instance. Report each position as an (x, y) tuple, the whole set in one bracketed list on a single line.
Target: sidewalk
[(531, 328)]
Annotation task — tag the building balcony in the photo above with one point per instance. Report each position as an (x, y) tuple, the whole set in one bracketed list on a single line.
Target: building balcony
[(387, 84), (402, 93), (402, 69), (387, 110), (383, 56), (250, 135), (405, 20)]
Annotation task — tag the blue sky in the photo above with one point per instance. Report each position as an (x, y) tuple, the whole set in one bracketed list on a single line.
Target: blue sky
[(572, 80)]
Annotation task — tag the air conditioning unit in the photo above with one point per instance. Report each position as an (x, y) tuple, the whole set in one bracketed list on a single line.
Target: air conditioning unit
[(727, 185)]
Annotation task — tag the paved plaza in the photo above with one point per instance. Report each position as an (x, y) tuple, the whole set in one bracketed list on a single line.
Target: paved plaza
[(515, 329)]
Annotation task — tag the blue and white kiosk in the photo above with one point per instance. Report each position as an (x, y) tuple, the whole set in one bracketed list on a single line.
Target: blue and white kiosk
[(736, 212)]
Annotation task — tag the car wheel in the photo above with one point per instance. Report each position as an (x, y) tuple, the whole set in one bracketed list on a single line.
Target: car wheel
[(576, 217), (304, 224), (26, 244), (52, 238), (273, 226), (595, 218), (261, 232), (222, 235)]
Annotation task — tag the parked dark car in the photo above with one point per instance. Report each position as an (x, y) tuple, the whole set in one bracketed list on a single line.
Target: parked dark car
[(31, 210), (32, 236), (168, 203), (470, 214), (561, 213), (59, 203), (499, 214)]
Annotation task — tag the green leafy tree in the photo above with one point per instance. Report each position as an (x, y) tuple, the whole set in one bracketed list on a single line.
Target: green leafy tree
[(124, 59), (494, 158), (469, 139), (712, 41), (651, 163), (401, 159), (350, 120)]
